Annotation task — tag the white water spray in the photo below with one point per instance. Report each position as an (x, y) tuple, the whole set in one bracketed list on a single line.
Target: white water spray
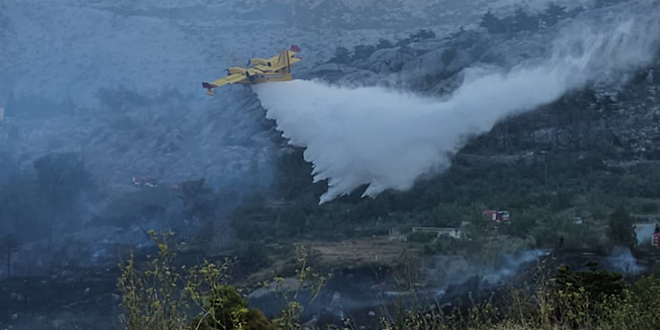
[(386, 139)]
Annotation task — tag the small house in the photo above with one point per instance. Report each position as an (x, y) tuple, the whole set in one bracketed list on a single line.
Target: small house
[(646, 232), (448, 232), (497, 216)]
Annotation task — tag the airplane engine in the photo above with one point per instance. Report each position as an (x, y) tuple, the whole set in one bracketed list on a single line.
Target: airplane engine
[(236, 70), (259, 61), (251, 78)]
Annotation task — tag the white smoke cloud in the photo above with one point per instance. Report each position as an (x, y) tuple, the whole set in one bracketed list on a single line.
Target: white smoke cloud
[(386, 138), (623, 261)]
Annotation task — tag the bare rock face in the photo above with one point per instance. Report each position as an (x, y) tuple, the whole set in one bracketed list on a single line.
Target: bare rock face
[(430, 63), (360, 78), (510, 52), (436, 68), (327, 67), (390, 60), (439, 61)]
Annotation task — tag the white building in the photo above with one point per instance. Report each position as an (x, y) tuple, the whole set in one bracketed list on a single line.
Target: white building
[(644, 233), (448, 232)]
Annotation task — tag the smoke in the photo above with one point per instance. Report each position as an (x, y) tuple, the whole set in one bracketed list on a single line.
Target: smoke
[(386, 139), (623, 261), (511, 266)]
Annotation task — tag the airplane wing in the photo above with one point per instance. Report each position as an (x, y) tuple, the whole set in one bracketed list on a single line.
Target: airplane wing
[(277, 63), (277, 66), (228, 80)]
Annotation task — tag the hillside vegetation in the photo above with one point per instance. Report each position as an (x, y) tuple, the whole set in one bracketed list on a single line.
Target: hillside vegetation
[(164, 295)]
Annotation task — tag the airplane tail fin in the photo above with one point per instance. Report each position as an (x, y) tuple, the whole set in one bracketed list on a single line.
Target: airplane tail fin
[(285, 58), (209, 88)]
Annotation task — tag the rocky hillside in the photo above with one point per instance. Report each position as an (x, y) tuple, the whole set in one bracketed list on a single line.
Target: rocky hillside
[(134, 68), (620, 115), (118, 83)]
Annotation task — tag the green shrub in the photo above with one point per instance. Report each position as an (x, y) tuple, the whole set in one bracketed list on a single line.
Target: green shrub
[(620, 228), (153, 298), (227, 310), (162, 296), (650, 207), (421, 237), (253, 256)]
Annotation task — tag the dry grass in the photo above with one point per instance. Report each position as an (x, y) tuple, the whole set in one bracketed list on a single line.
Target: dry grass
[(357, 252), (593, 300)]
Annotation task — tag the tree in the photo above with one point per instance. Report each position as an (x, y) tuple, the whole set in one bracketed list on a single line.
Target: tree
[(227, 310), (553, 14), (597, 284), (523, 21), (294, 220), (575, 11), (605, 3), (491, 23), (197, 200), (621, 231), (20, 212), (384, 44), (342, 55), (363, 51), (9, 245), (61, 178), (422, 35)]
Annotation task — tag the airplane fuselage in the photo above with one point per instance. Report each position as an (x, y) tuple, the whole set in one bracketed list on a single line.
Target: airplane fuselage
[(257, 75), (266, 77), (259, 70)]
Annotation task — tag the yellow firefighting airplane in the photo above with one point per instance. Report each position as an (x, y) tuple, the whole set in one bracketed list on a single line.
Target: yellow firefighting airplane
[(259, 70)]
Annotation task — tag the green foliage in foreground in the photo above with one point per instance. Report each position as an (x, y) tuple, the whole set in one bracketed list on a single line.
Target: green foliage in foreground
[(594, 299), (163, 297), (421, 237), (160, 295)]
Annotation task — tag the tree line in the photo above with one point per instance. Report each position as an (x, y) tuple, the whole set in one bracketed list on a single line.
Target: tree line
[(35, 206), (521, 20)]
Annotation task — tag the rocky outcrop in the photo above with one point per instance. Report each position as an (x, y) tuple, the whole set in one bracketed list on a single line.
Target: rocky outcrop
[(390, 60)]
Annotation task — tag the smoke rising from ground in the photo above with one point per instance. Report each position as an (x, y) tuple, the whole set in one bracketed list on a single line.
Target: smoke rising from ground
[(623, 261), (386, 138)]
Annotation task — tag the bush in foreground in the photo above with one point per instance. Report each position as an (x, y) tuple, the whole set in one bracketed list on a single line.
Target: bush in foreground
[(164, 297)]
